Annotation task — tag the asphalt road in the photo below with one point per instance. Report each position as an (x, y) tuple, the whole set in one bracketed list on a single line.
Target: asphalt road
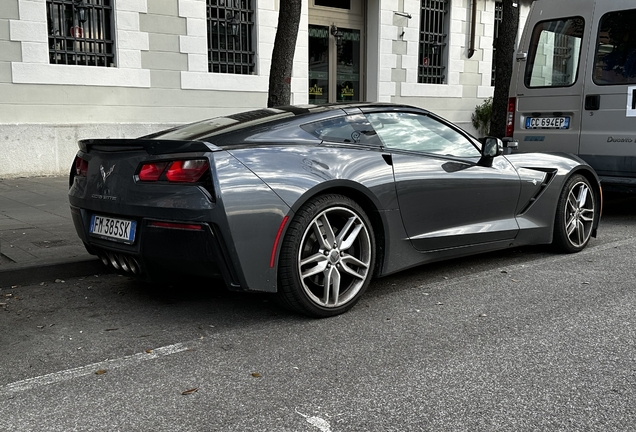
[(516, 340)]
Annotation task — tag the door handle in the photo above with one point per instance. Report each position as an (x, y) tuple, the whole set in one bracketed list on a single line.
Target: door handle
[(592, 102)]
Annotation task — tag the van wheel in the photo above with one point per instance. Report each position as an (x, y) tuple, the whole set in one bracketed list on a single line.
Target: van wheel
[(575, 215), (327, 257)]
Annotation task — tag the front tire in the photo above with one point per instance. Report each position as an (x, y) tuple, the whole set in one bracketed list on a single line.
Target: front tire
[(327, 257), (575, 216)]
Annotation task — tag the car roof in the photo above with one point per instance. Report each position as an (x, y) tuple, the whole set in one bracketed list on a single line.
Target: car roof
[(214, 127)]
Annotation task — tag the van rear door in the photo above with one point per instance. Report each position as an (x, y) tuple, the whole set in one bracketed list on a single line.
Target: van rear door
[(608, 129), (549, 84)]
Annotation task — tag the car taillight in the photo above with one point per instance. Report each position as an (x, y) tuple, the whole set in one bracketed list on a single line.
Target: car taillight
[(187, 171), (510, 118), (179, 171), (152, 171), (81, 167)]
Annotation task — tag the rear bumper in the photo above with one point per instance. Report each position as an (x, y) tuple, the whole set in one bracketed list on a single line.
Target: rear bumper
[(159, 252)]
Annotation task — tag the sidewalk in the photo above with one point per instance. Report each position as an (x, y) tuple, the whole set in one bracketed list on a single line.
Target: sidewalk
[(37, 237)]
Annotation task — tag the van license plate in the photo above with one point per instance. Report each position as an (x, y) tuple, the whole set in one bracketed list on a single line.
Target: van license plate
[(113, 229), (547, 122)]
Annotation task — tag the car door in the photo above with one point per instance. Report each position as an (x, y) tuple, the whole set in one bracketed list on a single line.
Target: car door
[(608, 132), (549, 79), (446, 198)]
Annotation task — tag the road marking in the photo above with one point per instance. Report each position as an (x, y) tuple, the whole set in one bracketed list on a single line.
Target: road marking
[(318, 422), (69, 374)]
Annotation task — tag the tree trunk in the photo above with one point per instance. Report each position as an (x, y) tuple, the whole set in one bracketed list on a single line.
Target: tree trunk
[(283, 55), (503, 66)]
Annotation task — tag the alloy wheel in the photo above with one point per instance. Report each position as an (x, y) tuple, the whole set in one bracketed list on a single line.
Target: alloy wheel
[(579, 214), (334, 258)]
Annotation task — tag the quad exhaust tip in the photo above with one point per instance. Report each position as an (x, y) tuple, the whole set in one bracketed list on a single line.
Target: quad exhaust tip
[(122, 262)]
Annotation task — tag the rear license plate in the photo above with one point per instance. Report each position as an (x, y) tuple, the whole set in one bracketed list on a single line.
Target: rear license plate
[(121, 230), (547, 122)]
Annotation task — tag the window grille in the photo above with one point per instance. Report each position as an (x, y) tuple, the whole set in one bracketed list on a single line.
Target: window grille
[(433, 42), (231, 36), (498, 19), (81, 32)]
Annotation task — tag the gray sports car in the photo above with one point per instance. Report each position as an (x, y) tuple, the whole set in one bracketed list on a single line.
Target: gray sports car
[(311, 202)]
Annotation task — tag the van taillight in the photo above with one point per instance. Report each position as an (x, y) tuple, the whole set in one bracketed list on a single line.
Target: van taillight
[(510, 117), (81, 167), (179, 171)]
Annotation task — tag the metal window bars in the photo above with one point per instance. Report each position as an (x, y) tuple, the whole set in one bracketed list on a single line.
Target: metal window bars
[(231, 36), (81, 32), (498, 19), (433, 42), (562, 71)]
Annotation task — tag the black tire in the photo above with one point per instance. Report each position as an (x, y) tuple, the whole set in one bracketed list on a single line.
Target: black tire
[(330, 239), (575, 216)]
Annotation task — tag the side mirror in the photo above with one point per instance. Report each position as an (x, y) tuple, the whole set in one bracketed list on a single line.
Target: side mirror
[(491, 147)]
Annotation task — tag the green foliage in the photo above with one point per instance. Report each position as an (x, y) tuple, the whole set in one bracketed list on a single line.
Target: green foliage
[(481, 117)]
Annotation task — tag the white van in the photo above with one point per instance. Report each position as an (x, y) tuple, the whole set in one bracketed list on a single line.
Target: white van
[(574, 85)]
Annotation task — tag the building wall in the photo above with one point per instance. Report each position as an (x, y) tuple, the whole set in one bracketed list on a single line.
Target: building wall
[(468, 79), (161, 78)]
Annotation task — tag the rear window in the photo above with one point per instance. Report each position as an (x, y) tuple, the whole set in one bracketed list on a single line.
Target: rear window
[(555, 50), (215, 126), (615, 59)]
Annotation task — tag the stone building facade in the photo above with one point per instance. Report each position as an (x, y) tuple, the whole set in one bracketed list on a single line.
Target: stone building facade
[(73, 69)]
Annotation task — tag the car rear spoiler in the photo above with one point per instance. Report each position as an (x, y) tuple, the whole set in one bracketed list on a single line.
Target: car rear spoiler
[(149, 145)]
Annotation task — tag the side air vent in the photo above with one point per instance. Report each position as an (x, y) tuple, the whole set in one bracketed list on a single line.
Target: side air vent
[(547, 177)]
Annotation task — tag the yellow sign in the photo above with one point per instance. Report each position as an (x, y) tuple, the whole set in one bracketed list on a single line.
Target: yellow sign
[(347, 92), (315, 90)]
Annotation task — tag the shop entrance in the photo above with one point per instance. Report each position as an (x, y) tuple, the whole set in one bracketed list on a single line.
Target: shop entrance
[(336, 46)]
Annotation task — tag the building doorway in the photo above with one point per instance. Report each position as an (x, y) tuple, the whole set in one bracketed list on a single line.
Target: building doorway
[(336, 51)]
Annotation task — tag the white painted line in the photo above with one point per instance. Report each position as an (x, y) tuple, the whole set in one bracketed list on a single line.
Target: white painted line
[(107, 365), (318, 422)]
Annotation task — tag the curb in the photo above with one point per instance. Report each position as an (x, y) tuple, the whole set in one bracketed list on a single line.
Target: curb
[(29, 274)]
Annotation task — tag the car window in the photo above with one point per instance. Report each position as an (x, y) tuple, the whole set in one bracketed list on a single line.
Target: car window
[(351, 129), (555, 50), (616, 49), (417, 132)]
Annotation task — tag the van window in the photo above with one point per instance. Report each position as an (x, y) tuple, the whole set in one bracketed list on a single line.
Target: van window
[(616, 49), (555, 49)]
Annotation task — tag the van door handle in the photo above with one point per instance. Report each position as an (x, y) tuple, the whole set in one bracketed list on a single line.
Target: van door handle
[(592, 102)]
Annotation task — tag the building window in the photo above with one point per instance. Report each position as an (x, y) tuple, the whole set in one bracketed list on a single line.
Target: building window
[(433, 42), (340, 4), (231, 36), (81, 32), (495, 37)]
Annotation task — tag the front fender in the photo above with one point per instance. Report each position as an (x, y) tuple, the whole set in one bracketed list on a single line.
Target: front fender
[(536, 220)]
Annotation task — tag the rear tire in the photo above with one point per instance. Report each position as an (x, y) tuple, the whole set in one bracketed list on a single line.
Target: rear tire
[(575, 216), (327, 257)]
